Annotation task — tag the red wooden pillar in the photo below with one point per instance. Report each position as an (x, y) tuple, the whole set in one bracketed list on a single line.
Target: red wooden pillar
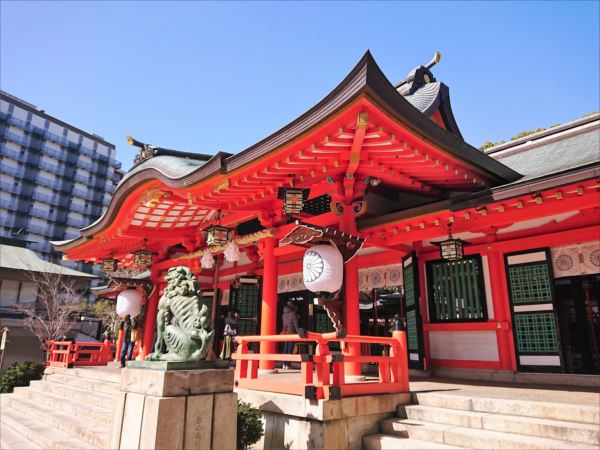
[(351, 308), (150, 321), (501, 310), (268, 316)]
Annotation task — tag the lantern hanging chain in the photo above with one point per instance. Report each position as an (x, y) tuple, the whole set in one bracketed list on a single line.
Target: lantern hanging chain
[(450, 231)]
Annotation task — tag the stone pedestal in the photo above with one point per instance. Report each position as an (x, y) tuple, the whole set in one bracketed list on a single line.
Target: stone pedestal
[(293, 422), (175, 409)]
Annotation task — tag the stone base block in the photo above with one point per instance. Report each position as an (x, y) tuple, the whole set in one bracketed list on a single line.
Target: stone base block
[(158, 410), (294, 422), (173, 383), (179, 365)]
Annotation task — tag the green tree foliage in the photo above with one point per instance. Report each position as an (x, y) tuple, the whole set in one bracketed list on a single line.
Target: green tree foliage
[(20, 374), (249, 425)]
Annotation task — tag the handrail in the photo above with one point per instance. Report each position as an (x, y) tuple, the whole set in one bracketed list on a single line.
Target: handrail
[(328, 380), (69, 354)]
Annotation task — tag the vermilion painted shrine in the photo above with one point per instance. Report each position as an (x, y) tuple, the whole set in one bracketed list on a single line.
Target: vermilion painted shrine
[(386, 164)]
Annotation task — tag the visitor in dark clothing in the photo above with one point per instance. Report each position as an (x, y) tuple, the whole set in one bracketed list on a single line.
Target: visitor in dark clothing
[(128, 328), (290, 326)]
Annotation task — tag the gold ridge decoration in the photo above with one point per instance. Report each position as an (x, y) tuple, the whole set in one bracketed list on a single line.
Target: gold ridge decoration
[(239, 240), (151, 197)]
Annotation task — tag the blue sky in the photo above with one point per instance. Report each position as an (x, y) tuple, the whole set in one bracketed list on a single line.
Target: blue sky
[(205, 77)]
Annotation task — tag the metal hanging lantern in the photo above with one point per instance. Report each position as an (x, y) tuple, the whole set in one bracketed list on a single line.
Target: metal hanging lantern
[(143, 257), (217, 235), (293, 199), (451, 249), (110, 265)]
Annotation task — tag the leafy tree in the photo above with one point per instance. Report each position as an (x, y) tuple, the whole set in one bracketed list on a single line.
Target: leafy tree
[(20, 374), (105, 310), (249, 425)]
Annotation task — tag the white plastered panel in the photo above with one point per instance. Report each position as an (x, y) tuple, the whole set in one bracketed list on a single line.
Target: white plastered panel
[(464, 345)]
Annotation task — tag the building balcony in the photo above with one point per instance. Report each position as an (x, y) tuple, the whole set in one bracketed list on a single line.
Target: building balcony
[(50, 199), (12, 154), (44, 231), (9, 187), (15, 172), (52, 184), (50, 167), (22, 140), (10, 204)]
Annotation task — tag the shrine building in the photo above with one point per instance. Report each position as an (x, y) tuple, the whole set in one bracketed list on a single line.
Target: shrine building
[(491, 259)]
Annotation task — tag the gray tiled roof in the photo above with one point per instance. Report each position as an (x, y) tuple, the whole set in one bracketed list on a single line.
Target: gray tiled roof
[(425, 98), (536, 159), (173, 167), (17, 258)]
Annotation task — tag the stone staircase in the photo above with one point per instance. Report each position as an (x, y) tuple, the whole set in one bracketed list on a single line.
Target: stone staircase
[(68, 409), (444, 421)]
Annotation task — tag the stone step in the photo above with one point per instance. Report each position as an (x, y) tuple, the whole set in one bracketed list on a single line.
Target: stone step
[(458, 418), (84, 383), (530, 426), (471, 437), (91, 432), (496, 440), (42, 434), (583, 433), (12, 440), (389, 442), (88, 397), (101, 373), (83, 411), (414, 429), (542, 410)]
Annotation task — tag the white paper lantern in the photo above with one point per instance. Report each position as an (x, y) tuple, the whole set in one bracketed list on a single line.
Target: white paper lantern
[(129, 302), (232, 252), (207, 261), (323, 269)]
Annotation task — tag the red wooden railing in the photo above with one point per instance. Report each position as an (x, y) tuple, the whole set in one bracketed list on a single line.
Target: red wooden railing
[(322, 375), (69, 354)]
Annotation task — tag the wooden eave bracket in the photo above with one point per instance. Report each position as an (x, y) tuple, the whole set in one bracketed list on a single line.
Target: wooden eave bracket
[(305, 235)]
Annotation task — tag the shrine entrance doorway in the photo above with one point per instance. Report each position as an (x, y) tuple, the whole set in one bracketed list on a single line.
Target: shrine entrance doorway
[(578, 303)]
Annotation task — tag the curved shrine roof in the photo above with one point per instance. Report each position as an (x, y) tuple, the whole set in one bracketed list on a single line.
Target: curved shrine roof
[(365, 88)]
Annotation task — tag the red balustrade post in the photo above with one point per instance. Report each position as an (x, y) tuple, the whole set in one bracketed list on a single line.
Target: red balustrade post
[(241, 365), (323, 377), (120, 335), (400, 370), (106, 351)]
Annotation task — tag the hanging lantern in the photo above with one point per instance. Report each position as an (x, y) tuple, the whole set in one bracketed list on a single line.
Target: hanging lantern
[(129, 302), (293, 199), (143, 258), (451, 249), (207, 261), (110, 265), (217, 235), (232, 252), (323, 269)]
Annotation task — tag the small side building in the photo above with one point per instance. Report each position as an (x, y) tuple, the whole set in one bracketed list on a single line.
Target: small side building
[(17, 288)]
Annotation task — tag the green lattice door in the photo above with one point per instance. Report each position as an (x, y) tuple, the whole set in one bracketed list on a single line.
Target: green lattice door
[(531, 294), (412, 308), (245, 297)]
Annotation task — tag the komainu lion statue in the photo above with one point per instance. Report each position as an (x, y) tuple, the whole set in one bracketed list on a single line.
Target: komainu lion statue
[(182, 327)]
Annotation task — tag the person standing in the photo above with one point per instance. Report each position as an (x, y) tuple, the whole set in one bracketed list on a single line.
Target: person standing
[(290, 326), (128, 339), (229, 333)]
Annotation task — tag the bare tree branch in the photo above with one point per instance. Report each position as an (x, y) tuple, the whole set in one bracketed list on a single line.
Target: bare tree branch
[(53, 315)]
